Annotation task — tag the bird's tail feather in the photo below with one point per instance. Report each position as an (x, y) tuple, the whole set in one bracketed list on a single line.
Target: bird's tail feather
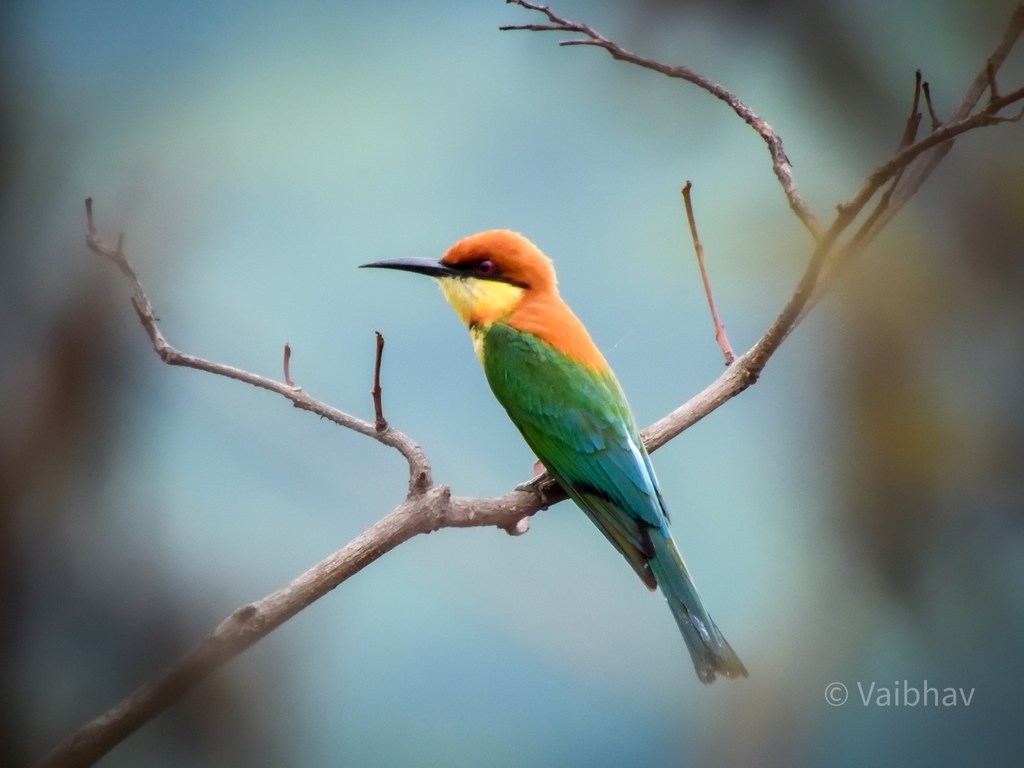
[(710, 652)]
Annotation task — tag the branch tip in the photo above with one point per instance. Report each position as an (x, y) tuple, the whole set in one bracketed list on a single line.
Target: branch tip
[(720, 337), (380, 423), (914, 120), (936, 123), (88, 216), (990, 72), (287, 368), (531, 28)]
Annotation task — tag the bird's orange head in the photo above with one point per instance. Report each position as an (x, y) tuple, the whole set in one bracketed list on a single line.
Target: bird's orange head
[(503, 255), (499, 275), (486, 276)]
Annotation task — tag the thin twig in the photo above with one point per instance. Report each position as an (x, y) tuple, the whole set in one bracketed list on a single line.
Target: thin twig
[(720, 337), (380, 423), (914, 174), (993, 91), (909, 135), (780, 162), (923, 167), (914, 120), (907, 139), (931, 109), (287, 365), (848, 212)]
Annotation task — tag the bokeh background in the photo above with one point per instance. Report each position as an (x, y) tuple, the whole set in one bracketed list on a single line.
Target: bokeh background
[(855, 517)]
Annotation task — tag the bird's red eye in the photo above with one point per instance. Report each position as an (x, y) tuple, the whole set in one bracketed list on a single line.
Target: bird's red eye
[(486, 267)]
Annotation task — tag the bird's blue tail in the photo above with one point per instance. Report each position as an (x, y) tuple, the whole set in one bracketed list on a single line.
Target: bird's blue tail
[(710, 652)]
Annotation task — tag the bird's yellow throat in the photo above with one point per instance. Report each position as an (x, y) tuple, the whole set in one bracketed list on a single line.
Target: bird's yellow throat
[(480, 302)]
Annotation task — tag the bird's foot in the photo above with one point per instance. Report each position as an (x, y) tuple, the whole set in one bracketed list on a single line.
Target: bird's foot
[(536, 487)]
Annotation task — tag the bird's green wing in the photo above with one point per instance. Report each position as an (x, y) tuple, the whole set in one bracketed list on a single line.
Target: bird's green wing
[(578, 423)]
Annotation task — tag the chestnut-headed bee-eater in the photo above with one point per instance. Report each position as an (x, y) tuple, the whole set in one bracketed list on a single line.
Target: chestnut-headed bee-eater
[(560, 392)]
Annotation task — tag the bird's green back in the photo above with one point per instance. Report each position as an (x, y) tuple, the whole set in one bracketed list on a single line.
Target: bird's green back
[(579, 424)]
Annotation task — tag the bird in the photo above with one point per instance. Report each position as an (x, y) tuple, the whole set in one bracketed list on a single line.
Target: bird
[(561, 394)]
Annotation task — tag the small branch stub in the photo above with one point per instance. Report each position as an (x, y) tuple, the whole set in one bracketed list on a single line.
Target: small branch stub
[(519, 527), (720, 337), (936, 123), (287, 367), (380, 423), (88, 217), (993, 91)]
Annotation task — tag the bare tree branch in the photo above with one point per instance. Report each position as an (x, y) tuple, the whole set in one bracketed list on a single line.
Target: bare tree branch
[(927, 153), (910, 179), (780, 163), (419, 466), (427, 508), (430, 507), (747, 367)]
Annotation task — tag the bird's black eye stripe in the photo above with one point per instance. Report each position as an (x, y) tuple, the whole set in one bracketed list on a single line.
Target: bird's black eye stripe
[(486, 268)]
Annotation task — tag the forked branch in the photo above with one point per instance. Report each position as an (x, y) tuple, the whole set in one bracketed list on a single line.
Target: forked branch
[(419, 466)]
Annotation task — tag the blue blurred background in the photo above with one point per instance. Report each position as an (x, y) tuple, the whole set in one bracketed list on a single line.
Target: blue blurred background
[(856, 517)]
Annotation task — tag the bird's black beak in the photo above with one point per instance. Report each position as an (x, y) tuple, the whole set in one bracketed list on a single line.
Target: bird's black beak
[(421, 266)]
